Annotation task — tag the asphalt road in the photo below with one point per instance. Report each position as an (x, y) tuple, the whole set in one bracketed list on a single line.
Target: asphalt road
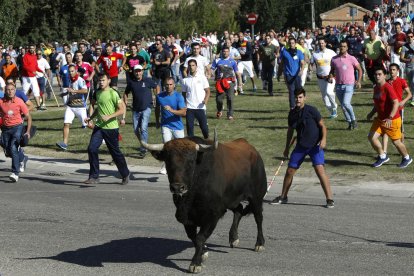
[(52, 225)]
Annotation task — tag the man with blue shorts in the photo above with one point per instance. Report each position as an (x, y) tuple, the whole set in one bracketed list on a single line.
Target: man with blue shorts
[(311, 140)]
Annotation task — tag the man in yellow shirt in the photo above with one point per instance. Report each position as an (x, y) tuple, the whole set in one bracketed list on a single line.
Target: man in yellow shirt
[(374, 54)]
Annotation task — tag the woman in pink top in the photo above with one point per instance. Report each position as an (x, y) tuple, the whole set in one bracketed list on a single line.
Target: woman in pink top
[(342, 67)]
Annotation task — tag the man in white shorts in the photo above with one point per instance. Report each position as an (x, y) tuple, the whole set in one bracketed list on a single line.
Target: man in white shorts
[(76, 105), (322, 59), (30, 67), (246, 62)]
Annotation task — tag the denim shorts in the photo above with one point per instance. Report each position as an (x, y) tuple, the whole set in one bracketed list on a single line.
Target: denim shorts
[(316, 154)]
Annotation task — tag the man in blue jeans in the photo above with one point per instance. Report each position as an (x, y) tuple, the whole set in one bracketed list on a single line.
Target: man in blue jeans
[(142, 100), (13, 112), (292, 61), (343, 67), (311, 140), (108, 107)]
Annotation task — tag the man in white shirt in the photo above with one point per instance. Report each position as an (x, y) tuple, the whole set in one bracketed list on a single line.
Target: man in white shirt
[(197, 90), (203, 66), (322, 59), (42, 78)]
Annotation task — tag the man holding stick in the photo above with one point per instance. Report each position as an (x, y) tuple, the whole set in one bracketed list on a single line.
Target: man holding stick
[(311, 140)]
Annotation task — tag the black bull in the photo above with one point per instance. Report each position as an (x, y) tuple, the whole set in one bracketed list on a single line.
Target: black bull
[(207, 178)]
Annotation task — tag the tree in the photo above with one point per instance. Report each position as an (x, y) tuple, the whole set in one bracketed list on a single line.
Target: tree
[(12, 13)]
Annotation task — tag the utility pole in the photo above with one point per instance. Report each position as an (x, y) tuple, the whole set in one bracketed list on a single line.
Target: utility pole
[(313, 14)]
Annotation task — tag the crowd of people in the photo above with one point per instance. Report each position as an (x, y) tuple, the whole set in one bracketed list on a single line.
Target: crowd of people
[(341, 57)]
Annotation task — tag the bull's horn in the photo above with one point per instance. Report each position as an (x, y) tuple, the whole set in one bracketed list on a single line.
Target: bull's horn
[(202, 147), (155, 147)]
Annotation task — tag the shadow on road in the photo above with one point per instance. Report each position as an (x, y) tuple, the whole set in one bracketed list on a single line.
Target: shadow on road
[(133, 250), (393, 244)]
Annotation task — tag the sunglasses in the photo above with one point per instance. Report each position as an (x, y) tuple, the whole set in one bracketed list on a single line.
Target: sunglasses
[(410, 36)]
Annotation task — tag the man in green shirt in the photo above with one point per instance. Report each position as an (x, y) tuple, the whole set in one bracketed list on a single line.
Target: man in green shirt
[(109, 106)]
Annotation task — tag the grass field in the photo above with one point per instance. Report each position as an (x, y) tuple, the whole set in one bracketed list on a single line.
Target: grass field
[(262, 120)]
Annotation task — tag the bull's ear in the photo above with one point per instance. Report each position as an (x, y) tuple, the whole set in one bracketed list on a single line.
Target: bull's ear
[(158, 154)]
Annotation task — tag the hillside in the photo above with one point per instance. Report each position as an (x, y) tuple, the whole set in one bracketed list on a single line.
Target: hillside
[(143, 6)]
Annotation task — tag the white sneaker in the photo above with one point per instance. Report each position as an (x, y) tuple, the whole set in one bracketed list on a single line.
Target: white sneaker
[(163, 171), (23, 163), (13, 177)]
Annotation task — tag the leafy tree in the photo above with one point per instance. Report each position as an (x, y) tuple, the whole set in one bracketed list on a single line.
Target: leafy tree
[(12, 14)]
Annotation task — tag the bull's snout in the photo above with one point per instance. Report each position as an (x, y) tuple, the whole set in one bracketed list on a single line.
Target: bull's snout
[(178, 188)]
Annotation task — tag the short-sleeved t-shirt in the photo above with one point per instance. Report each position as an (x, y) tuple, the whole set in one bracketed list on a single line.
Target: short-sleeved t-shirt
[(226, 68), (131, 61), (291, 61), (141, 93), (194, 87), (110, 63), (12, 110), (306, 122), (383, 101), (322, 59), (399, 84), (77, 99), (85, 70), (176, 102), (107, 103)]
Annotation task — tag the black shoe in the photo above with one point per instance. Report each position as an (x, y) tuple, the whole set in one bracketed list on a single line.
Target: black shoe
[(125, 180), (349, 126), (330, 203), (91, 181), (279, 200)]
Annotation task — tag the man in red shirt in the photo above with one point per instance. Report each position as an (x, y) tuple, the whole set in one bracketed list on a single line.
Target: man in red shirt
[(13, 111), (30, 67), (388, 121), (109, 62), (400, 86)]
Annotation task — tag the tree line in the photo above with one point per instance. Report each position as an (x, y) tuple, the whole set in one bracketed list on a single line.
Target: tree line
[(24, 21)]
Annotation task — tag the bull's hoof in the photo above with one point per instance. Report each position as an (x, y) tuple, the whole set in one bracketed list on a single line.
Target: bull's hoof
[(259, 248), (204, 256), (235, 243), (194, 269)]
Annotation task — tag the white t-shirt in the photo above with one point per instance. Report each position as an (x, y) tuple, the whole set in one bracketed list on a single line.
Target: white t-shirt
[(194, 86), (275, 42), (202, 62), (322, 59), (43, 64), (62, 59)]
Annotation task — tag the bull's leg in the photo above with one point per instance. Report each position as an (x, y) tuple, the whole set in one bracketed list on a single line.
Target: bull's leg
[(191, 231), (202, 236), (234, 232), (257, 209)]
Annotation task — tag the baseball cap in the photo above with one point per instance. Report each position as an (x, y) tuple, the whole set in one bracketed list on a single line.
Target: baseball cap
[(138, 67)]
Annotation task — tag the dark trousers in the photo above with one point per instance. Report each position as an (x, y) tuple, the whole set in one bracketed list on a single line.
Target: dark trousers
[(201, 117), (267, 75), (293, 83), (229, 94), (111, 139), (10, 140)]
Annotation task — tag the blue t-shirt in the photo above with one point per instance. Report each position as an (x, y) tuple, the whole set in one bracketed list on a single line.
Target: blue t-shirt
[(141, 93), (176, 102), (226, 68), (306, 122), (291, 61), (64, 74)]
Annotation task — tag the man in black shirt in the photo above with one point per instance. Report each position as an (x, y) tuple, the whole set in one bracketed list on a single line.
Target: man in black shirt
[(142, 101), (311, 140), (161, 61)]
